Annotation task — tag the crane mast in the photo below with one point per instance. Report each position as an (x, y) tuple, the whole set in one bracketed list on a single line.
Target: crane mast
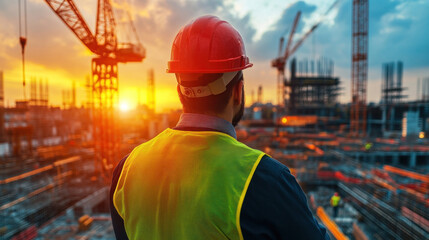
[(104, 67), (359, 67)]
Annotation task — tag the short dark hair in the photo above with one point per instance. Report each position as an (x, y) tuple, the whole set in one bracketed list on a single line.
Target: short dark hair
[(212, 103)]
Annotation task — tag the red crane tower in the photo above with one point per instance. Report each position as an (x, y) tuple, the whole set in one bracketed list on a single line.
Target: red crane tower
[(359, 67), (280, 62), (104, 72)]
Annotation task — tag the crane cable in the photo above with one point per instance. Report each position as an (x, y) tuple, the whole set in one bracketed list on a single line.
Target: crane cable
[(23, 39)]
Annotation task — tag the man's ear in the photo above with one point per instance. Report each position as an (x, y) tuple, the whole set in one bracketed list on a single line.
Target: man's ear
[(238, 93)]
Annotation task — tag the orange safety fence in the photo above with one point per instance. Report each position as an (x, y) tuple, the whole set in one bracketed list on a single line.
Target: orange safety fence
[(40, 170), (66, 160), (340, 176), (406, 173), (25, 175), (32, 194), (330, 225), (382, 183), (382, 174), (358, 233), (390, 184), (419, 195)]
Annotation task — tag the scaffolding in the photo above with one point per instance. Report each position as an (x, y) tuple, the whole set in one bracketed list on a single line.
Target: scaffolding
[(312, 91), (39, 93), (391, 90)]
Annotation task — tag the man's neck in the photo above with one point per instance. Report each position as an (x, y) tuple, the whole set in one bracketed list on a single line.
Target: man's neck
[(225, 115), (197, 120)]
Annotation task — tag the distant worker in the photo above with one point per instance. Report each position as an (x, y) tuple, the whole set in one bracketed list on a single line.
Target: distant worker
[(335, 201), (196, 181)]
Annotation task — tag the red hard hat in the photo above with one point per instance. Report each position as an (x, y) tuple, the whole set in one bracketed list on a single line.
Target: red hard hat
[(208, 45)]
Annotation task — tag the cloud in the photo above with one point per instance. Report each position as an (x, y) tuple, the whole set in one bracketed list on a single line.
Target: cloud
[(157, 23), (401, 35), (49, 42), (397, 31), (266, 48)]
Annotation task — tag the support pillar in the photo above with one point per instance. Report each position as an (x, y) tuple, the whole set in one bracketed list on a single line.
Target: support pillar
[(392, 118), (413, 159), (395, 159)]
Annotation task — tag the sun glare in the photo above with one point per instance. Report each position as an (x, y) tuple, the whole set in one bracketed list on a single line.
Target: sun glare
[(124, 107), (284, 120)]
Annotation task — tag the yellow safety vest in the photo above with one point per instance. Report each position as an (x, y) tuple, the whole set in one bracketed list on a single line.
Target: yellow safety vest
[(335, 200), (185, 185)]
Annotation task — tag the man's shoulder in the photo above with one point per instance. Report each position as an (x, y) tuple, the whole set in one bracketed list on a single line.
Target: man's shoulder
[(273, 180), (272, 167)]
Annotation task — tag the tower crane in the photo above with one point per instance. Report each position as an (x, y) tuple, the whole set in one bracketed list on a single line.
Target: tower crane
[(280, 62), (109, 52), (359, 67), (22, 12)]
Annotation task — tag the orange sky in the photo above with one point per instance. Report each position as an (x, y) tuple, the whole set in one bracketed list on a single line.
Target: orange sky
[(53, 52)]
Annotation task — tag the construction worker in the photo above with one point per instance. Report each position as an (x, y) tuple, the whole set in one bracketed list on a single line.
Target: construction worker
[(335, 201), (196, 181)]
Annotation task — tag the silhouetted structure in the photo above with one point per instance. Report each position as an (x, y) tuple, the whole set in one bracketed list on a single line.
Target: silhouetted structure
[(260, 94), (105, 44), (151, 91), (315, 92), (391, 90)]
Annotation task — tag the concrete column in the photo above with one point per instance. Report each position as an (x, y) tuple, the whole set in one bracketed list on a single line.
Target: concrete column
[(369, 121), (373, 158), (395, 159), (413, 159), (383, 119), (357, 156), (392, 118)]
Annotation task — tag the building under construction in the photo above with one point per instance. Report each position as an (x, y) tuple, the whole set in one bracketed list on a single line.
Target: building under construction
[(312, 89)]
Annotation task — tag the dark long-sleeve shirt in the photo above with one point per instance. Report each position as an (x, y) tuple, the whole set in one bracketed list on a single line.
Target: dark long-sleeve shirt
[(275, 207)]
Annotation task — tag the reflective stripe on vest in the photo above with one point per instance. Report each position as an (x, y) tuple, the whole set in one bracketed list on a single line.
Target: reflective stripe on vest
[(335, 200), (185, 185)]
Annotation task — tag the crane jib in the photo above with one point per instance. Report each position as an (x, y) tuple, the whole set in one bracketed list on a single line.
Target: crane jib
[(104, 41)]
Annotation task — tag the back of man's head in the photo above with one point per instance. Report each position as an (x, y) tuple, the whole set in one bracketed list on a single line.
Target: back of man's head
[(208, 57), (208, 104)]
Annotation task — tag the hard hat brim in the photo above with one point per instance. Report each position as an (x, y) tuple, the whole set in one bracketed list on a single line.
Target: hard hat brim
[(172, 69)]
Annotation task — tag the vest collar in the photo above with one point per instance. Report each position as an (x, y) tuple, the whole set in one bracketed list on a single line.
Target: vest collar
[(195, 120)]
